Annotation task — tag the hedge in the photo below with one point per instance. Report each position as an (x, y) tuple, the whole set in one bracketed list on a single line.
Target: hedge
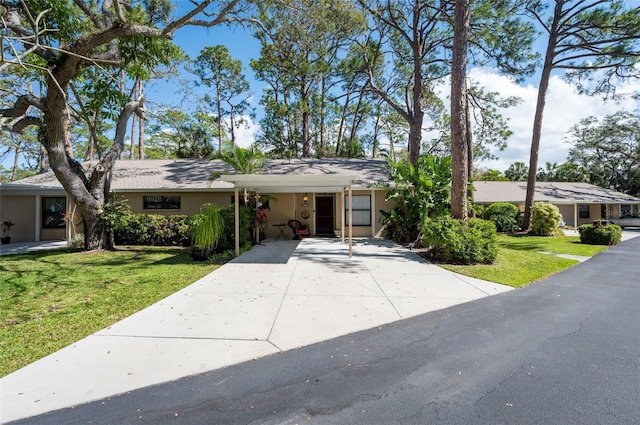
[(154, 229), (457, 242)]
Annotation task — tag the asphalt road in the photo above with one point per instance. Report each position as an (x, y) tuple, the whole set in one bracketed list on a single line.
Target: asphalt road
[(565, 350)]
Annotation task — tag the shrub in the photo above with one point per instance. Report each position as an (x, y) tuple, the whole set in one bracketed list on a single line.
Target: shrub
[(611, 234), (173, 230), (227, 239), (545, 219), (152, 229), (454, 241), (504, 215)]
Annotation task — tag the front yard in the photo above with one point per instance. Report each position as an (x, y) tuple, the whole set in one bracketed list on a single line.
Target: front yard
[(51, 299), (521, 262)]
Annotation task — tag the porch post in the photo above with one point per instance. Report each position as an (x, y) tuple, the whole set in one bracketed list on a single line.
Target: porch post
[(342, 216), (38, 220), (373, 213), (237, 219), (350, 222), (575, 216)]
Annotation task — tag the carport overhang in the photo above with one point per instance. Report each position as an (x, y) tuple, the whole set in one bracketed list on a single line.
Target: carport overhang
[(330, 183)]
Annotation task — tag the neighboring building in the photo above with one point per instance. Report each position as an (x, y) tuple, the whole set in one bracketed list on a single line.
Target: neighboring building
[(314, 191), (579, 203)]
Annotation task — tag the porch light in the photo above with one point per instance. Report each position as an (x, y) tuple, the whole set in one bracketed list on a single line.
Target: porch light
[(305, 200)]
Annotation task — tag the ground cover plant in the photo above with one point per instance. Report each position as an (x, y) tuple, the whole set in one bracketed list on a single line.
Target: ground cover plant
[(520, 259), (52, 299)]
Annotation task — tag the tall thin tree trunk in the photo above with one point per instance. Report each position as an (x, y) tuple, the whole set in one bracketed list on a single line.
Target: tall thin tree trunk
[(459, 137), (132, 148), (376, 131), (219, 112), (140, 138), (537, 122), (469, 149), (306, 119), (16, 160), (232, 126), (321, 144)]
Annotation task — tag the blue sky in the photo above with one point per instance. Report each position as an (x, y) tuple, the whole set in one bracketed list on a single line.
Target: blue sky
[(564, 107)]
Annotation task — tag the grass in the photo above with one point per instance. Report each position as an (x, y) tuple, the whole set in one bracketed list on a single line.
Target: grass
[(520, 263), (51, 299)]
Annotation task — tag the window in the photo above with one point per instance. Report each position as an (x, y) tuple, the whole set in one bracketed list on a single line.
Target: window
[(161, 202), (625, 210), (361, 210), (583, 211), (53, 212)]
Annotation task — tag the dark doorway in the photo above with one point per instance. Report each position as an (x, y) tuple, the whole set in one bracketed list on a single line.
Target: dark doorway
[(324, 215)]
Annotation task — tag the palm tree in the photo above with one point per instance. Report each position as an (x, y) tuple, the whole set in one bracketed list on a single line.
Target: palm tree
[(244, 160)]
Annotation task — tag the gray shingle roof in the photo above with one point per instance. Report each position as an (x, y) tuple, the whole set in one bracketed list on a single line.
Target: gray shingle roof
[(488, 192), (193, 175)]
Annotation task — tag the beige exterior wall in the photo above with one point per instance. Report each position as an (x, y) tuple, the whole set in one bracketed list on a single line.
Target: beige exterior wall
[(190, 202), (594, 214), (567, 212), (21, 211)]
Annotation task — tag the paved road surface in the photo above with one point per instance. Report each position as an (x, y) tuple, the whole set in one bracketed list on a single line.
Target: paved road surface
[(562, 351)]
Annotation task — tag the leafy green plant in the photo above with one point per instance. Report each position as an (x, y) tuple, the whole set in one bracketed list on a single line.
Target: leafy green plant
[(419, 192), (545, 219), (227, 238), (206, 227), (504, 215), (457, 242), (114, 211), (152, 229), (610, 234)]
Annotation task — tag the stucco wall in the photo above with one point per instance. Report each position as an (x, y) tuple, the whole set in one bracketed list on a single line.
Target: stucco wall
[(190, 202), (21, 211)]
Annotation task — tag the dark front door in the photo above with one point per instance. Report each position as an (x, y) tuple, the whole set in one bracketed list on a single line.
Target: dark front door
[(324, 215)]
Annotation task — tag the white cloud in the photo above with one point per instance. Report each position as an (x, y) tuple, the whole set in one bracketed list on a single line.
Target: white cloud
[(564, 108), (246, 133)]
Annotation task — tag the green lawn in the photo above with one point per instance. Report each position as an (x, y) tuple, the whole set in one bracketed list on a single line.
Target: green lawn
[(49, 300), (520, 263)]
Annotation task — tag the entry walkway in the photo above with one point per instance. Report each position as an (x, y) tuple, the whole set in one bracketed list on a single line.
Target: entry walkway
[(276, 297)]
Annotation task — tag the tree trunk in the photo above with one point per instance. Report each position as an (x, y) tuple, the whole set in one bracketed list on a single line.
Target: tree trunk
[(140, 137), (132, 147), (469, 148), (375, 146), (306, 119), (459, 142), (16, 161), (322, 151), (341, 126), (537, 122), (219, 112), (232, 126)]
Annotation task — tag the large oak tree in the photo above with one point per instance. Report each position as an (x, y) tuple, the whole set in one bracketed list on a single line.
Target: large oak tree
[(57, 44)]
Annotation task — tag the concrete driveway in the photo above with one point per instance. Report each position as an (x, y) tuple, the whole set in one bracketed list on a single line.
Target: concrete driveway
[(278, 296)]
